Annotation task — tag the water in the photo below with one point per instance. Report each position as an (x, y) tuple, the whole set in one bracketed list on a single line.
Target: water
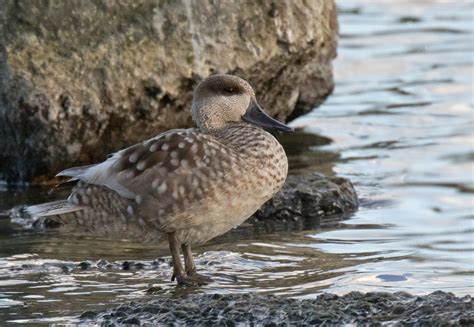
[(399, 125)]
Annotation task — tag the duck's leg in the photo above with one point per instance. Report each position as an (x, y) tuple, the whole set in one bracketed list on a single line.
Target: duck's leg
[(188, 259), (178, 271), (191, 267)]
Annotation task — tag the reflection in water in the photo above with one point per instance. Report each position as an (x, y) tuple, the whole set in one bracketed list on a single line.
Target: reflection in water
[(304, 155), (399, 125)]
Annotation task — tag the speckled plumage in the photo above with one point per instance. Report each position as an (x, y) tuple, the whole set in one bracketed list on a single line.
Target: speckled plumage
[(200, 185), (195, 183)]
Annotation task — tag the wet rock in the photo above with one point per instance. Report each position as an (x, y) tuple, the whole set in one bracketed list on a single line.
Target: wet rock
[(103, 264), (88, 315), (154, 290), (312, 198), (125, 265), (79, 80), (84, 265), (436, 309), (128, 265)]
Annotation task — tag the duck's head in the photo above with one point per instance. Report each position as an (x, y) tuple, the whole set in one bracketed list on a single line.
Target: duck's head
[(223, 100)]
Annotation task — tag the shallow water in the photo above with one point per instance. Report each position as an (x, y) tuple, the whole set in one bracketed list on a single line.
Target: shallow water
[(399, 125)]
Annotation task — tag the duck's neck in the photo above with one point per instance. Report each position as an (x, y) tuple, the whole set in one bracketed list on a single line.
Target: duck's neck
[(246, 138)]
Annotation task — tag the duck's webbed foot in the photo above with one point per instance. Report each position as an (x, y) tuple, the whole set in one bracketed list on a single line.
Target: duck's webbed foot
[(199, 279), (193, 279)]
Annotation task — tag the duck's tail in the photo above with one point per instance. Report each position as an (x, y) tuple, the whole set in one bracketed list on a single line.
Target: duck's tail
[(44, 215), (52, 209)]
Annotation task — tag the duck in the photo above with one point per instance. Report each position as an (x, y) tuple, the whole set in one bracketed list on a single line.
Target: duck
[(184, 186)]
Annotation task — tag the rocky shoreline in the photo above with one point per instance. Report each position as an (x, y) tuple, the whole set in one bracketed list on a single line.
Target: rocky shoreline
[(374, 308)]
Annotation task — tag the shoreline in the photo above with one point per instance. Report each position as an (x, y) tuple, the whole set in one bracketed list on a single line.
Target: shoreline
[(436, 309)]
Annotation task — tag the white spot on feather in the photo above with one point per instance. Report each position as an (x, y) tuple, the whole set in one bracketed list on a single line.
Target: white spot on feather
[(141, 165), (175, 194), (174, 154), (184, 163), (133, 157), (162, 189), (138, 199)]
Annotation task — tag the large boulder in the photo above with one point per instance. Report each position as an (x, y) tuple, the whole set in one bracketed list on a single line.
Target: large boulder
[(81, 79)]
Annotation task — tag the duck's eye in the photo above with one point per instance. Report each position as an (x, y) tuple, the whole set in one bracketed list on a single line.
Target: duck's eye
[(229, 90)]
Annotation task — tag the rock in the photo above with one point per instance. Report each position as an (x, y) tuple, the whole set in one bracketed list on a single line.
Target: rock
[(313, 199), (436, 309), (79, 80)]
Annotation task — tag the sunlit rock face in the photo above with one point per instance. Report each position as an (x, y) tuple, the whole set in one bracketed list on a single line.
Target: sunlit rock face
[(79, 80)]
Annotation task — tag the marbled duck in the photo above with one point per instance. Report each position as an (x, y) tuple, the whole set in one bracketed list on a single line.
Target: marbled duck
[(184, 186)]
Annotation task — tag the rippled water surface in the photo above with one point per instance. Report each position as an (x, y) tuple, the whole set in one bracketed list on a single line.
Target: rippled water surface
[(399, 125)]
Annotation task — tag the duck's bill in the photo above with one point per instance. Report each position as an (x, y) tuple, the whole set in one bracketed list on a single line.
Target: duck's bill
[(256, 116)]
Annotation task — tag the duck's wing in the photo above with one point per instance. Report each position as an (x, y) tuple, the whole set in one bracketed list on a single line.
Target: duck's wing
[(158, 165)]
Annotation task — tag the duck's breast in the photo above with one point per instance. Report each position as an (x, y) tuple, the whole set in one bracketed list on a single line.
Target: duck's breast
[(257, 171)]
